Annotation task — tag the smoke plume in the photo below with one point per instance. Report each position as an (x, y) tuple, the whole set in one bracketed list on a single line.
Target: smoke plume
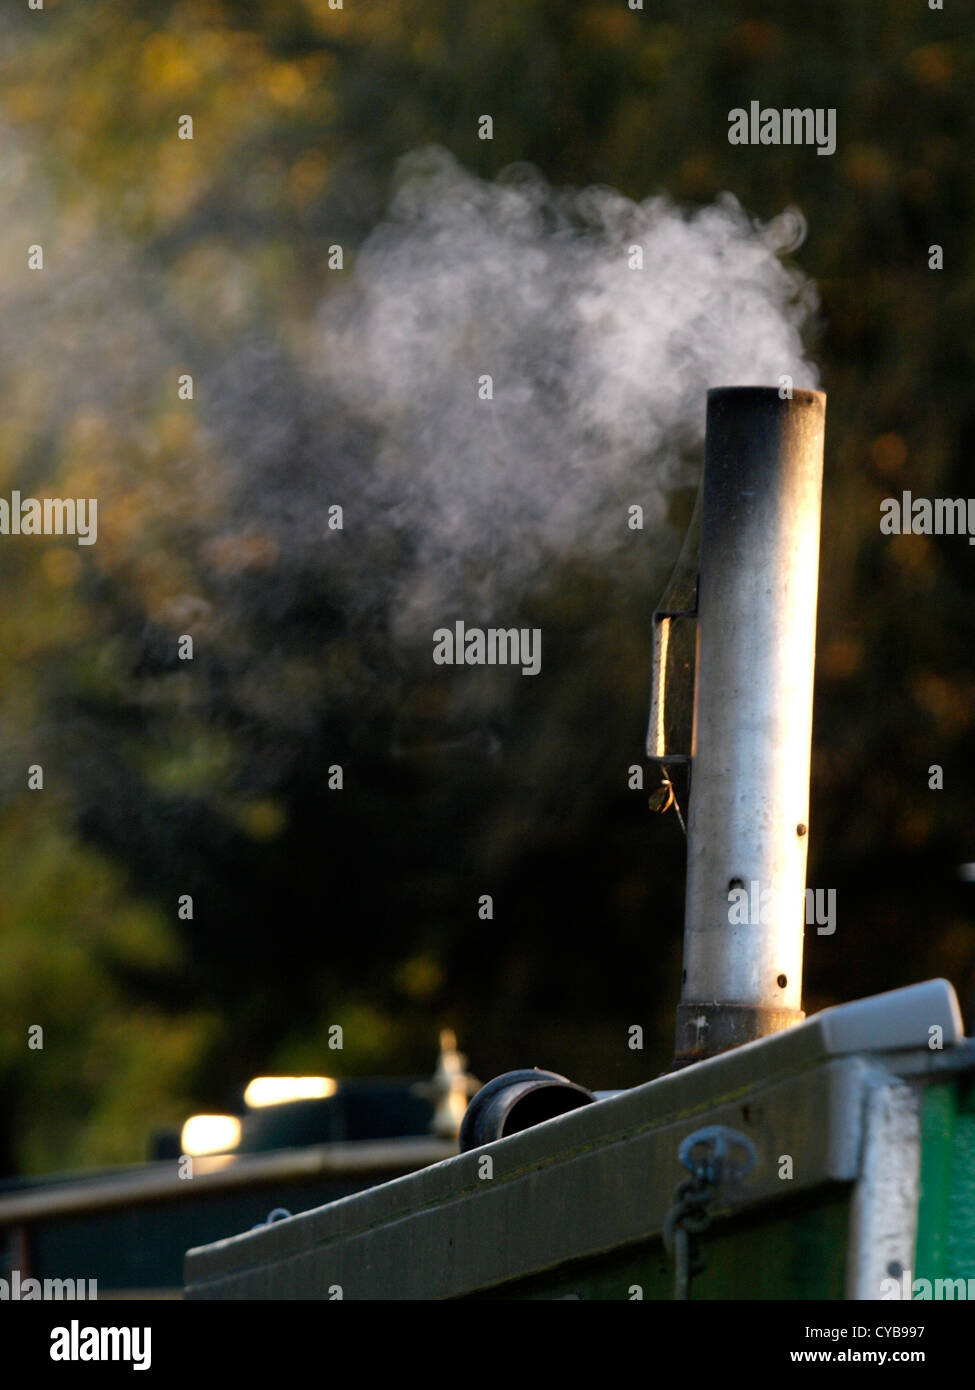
[(598, 367)]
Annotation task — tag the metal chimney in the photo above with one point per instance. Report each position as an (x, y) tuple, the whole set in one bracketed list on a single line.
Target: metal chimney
[(756, 626)]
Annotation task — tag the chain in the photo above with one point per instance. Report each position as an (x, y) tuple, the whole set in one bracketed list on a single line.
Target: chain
[(687, 1218), (714, 1156)]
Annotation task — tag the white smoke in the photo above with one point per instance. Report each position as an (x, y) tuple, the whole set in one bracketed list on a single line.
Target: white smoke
[(599, 370), (456, 507)]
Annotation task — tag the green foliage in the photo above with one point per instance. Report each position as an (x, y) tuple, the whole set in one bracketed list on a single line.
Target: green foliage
[(165, 256)]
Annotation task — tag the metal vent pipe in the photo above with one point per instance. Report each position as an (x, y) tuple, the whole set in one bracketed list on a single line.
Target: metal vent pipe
[(747, 832)]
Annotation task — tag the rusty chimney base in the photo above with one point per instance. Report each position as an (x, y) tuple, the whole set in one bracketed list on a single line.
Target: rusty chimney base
[(705, 1029)]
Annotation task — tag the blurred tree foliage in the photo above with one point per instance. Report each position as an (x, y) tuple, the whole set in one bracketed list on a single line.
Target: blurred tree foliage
[(210, 778)]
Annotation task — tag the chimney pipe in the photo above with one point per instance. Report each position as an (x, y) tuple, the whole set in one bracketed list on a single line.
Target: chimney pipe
[(747, 831)]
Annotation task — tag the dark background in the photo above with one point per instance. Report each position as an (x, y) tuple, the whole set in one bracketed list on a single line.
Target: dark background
[(360, 908)]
